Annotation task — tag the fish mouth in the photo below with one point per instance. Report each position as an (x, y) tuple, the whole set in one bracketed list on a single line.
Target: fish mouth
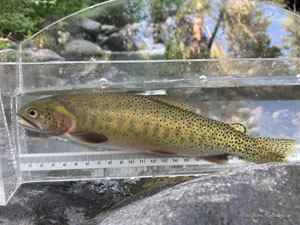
[(23, 121)]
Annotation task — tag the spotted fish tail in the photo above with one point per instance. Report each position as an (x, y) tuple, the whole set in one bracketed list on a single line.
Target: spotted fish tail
[(272, 149)]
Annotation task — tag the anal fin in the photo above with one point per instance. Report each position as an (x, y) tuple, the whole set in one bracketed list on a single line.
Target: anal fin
[(219, 159), (162, 152)]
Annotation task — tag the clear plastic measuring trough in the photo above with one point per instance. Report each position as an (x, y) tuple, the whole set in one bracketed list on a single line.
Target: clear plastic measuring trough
[(235, 61)]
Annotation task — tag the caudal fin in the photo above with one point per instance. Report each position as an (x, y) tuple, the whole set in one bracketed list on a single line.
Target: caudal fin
[(271, 150)]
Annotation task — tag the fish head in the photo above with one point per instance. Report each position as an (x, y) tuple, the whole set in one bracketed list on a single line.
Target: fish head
[(46, 115)]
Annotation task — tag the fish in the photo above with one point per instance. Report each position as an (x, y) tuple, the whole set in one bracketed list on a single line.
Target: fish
[(155, 124)]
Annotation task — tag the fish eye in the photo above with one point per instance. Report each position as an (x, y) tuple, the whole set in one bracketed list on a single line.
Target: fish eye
[(33, 113)]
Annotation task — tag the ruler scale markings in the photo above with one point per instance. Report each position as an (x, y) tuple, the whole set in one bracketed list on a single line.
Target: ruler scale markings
[(109, 159), (62, 154)]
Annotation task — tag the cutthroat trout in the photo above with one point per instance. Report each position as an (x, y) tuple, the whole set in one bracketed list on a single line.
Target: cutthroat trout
[(148, 123)]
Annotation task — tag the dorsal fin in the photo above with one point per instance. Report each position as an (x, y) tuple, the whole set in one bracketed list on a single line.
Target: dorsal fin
[(238, 127), (166, 100)]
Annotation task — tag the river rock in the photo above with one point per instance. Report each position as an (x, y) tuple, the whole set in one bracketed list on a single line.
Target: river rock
[(107, 32), (101, 38), (63, 37), (108, 29), (254, 194), (126, 39), (82, 47), (113, 43), (43, 55), (90, 25)]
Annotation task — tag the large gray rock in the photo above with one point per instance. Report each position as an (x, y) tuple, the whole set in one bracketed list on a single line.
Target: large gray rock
[(82, 47), (43, 55), (255, 194), (90, 25)]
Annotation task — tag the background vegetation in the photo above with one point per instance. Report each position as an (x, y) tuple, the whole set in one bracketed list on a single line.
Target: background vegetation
[(19, 19)]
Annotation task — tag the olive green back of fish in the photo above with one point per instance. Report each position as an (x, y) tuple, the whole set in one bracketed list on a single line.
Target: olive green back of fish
[(156, 125)]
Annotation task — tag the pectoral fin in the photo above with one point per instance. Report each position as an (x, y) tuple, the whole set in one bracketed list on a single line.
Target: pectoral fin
[(238, 127), (220, 159), (89, 137)]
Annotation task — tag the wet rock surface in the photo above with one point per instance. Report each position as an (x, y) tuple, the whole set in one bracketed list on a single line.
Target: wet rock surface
[(254, 194), (73, 202)]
